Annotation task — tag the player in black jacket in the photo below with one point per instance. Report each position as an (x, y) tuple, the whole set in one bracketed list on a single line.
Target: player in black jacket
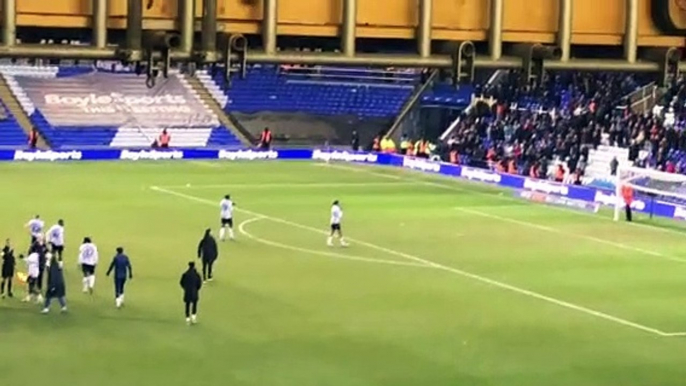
[(191, 284), (8, 264), (207, 251)]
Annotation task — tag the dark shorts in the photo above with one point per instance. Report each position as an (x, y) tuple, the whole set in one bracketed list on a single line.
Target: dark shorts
[(227, 222), (87, 269), (335, 227), (32, 283), (57, 248), (7, 272)]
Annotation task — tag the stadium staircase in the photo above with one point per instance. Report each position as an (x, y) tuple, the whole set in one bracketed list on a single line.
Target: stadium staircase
[(15, 125), (598, 172), (214, 98)]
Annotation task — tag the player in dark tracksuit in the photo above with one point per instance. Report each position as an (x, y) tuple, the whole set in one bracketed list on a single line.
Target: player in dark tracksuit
[(207, 251), (191, 282), (39, 247), (121, 265), (56, 289), (8, 265)]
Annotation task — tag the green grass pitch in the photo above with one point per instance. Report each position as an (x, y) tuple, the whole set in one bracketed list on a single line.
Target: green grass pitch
[(445, 283)]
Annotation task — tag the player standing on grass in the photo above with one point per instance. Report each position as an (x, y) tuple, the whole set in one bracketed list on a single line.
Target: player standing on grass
[(33, 270), (8, 264), (55, 237), (38, 246), (88, 258), (121, 265), (226, 206), (336, 217), (35, 227)]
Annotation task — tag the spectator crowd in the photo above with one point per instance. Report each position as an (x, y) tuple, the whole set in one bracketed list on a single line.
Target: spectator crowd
[(547, 130)]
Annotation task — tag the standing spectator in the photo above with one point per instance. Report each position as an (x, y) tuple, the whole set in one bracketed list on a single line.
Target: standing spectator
[(355, 141), (266, 139), (191, 284), (56, 288), (33, 138), (613, 166)]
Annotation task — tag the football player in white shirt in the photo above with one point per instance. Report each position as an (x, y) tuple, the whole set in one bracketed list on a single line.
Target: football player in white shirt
[(33, 271), (226, 208), (88, 258), (336, 217), (35, 226), (55, 237)]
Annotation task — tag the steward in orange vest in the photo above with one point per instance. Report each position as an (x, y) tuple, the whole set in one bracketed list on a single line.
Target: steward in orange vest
[(560, 174), (628, 196), (266, 139), (164, 139), (376, 144), (454, 157), (33, 138)]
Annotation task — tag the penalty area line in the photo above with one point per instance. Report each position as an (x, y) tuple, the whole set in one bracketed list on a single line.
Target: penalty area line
[(456, 271), (241, 229), (577, 235)]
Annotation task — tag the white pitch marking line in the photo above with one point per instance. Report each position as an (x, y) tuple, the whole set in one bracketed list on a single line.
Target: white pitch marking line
[(559, 231), (509, 198), (475, 277), (241, 228), (354, 169), (288, 185), (204, 164)]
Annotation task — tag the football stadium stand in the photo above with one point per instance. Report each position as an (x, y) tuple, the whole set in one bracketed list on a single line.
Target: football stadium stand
[(87, 107), (303, 104), (11, 133)]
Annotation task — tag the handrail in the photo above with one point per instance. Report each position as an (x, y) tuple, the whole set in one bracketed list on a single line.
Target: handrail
[(411, 102)]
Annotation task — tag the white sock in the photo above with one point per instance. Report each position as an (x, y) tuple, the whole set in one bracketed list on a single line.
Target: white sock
[(342, 241), (222, 233), (85, 283), (91, 281), (117, 302), (194, 318), (231, 233), (122, 298)]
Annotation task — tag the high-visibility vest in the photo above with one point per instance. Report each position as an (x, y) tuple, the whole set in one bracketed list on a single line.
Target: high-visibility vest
[(164, 139), (404, 145), (628, 194), (410, 148), (266, 137), (454, 157), (421, 147), (390, 145), (533, 173), (32, 137), (385, 146), (559, 175), (511, 167)]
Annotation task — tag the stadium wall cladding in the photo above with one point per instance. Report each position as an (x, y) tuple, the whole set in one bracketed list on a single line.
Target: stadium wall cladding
[(594, 22)]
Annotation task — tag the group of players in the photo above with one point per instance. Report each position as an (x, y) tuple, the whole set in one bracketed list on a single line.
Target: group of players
[(45, 258), (46, 251)]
